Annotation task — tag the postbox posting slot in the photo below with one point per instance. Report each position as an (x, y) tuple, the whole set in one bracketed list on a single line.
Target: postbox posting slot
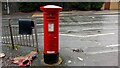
[(51, 18)]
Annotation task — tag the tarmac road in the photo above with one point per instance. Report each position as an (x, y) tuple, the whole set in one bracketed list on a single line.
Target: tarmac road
[(97, 41)]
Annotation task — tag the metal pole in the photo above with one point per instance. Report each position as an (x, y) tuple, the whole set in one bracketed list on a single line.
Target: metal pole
[(11, 34), (8, 9), (32, 39), (36, 37)]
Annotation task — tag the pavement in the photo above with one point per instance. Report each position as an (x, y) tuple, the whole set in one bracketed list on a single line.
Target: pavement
[(97, 43)]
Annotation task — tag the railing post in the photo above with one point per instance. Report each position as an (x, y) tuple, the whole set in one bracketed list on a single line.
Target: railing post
[(9, 21), (36, 37)]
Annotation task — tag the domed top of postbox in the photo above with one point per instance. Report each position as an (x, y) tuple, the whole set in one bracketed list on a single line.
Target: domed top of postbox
[(51, 8)]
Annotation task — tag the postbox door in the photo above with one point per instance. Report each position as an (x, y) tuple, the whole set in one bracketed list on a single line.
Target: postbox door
[(52, 36), (51, 33)]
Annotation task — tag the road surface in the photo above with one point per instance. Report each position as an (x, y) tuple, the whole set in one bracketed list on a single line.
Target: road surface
[(95, 37)]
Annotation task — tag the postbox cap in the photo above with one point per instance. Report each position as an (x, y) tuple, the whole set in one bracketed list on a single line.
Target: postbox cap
[(51, 8)]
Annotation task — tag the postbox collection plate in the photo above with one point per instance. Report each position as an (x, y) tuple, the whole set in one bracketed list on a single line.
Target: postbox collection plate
[(51, 27)]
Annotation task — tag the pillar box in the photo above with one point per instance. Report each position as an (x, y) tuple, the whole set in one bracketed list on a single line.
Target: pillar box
[(51, 33)]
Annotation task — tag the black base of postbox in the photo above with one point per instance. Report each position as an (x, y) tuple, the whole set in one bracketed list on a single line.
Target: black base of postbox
[(51, 58)]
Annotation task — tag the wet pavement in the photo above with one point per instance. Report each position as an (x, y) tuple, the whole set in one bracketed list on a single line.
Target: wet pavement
[(96, 42)]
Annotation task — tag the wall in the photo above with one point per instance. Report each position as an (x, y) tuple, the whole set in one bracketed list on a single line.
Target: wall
[(114, 5)]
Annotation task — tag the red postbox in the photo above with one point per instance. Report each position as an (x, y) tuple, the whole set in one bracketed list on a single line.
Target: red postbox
[(51, 33)]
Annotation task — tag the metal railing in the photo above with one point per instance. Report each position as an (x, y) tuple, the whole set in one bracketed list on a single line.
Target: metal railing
[(10, 35), (10, 30)]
